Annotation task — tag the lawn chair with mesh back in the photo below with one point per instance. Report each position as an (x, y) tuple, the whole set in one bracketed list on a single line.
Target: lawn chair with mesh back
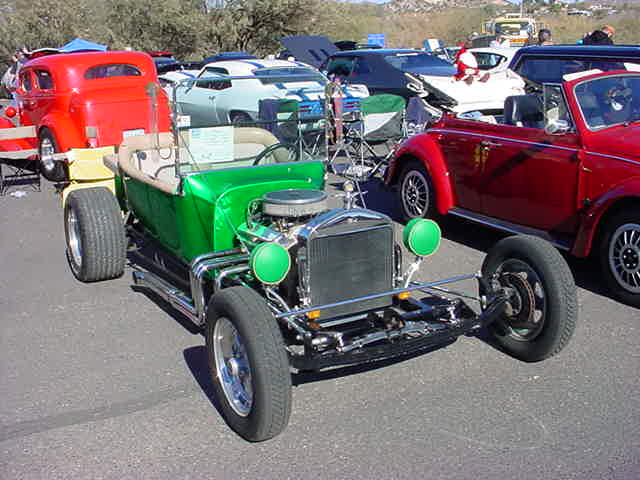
[(295, 122), (371, 135)]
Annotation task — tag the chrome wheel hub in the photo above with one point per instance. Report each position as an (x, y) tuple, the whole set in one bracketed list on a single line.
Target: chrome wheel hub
[(232, 366), (415, 194), (624, 256), (74, 243), (46, 153)]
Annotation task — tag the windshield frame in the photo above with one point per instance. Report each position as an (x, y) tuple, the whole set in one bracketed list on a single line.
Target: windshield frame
[(581, 108)]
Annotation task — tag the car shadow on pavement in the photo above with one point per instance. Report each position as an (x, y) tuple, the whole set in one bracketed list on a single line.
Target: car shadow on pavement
[(196, 359)]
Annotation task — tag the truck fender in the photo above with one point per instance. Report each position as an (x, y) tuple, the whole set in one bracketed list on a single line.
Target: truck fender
[(65, 131), (426, 149), (595, 215)]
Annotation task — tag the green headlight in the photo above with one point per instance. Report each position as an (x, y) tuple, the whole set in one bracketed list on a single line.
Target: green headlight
[(270, 263), (421, 236)]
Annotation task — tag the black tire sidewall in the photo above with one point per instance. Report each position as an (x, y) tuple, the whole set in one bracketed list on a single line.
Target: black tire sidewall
[(560, 296), (612, 284), (59, 173), (261, 337)]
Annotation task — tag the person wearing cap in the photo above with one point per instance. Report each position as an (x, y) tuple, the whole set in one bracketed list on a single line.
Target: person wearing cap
[(609, 30)]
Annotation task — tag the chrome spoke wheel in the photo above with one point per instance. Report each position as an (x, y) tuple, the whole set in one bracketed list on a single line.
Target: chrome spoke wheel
[(624, 256), (47, 150), (232, 366), (527, 300), (74, 241), (415, 194)]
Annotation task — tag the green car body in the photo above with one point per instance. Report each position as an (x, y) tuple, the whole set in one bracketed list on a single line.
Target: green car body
[(247, 247)]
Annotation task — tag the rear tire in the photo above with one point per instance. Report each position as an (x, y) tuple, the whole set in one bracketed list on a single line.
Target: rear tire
[(542, 310), (95, 235), (619, 256), (248, 364), (416, 193), (54, 171)]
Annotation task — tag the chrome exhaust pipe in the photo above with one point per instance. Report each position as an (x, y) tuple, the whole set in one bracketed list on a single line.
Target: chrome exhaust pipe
[(175, 297)]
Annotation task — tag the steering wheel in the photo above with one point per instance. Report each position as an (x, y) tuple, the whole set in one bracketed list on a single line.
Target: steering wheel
[(290, 153)]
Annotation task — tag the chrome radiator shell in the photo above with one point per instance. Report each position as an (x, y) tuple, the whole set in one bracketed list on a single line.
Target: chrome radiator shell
[(346, 254)]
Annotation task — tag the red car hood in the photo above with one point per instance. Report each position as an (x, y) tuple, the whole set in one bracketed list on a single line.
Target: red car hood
[(619, 141)]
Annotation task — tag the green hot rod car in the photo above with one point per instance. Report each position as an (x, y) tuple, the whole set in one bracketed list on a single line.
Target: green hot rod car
[(253, 253)]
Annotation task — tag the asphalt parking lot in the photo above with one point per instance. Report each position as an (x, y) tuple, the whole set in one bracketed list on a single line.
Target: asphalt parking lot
[(102, 381)]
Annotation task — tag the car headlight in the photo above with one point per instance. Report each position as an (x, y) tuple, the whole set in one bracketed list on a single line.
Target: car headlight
[(270, 263), (421, 236)]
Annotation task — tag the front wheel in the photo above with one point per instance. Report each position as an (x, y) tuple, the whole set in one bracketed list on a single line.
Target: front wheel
[(248, 364), (52, 170), (619, 254), (416, 192), (542, 307)]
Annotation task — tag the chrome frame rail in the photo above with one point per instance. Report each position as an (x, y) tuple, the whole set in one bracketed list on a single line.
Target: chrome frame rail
[(396, 291)]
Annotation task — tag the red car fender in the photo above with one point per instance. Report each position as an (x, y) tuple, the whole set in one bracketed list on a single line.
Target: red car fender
[(426, 149), (17, 143), (592, 217), (65, 131)]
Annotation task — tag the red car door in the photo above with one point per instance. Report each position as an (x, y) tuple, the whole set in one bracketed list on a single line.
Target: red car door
[(460, 144), (531, 178)]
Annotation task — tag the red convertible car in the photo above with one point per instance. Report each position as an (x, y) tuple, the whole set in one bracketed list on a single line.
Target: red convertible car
[(88, 99), (562, 164)]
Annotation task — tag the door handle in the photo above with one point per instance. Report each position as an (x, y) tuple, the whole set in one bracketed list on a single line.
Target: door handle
[(212, 97), (489, 143)]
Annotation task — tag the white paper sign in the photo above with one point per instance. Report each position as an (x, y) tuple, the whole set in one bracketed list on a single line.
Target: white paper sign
[(212, 144)]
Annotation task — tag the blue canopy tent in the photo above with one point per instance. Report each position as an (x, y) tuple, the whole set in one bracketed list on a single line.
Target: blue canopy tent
[(79, 45)]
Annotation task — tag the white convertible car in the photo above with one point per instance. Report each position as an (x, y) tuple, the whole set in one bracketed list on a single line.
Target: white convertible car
[(230, 91)]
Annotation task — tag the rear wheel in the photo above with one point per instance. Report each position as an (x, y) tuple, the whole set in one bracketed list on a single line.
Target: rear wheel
[(416, 192), (54, 171), (619, 255), (95, 235), (542, 307), (248, 364)]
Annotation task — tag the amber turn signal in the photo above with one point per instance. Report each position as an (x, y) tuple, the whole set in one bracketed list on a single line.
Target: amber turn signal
[(404, 295)]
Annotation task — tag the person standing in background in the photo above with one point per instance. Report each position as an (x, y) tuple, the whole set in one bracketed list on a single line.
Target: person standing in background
[(544, 37)]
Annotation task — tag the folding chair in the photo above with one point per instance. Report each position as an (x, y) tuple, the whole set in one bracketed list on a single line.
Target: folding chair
[(295, 122), (371, 137)]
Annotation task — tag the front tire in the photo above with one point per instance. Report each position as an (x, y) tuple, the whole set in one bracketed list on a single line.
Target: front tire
[(54, 171), (416, 193), (619, 256), (542, 308), (95, 235), (248, 364)]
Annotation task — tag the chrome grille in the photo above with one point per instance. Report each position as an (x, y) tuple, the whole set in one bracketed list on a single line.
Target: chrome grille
[(348, 264)]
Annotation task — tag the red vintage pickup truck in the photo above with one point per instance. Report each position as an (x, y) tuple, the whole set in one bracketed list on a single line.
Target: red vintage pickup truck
[(562, 164), (83, 100)]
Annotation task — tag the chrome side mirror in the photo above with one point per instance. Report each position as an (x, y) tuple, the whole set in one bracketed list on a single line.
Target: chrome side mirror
[(556, 127)]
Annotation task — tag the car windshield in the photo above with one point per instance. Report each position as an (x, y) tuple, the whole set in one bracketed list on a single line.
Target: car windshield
[(275, 75), (275, 126), (541, 69), (609, 101), (417, 62), (513, 28)]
